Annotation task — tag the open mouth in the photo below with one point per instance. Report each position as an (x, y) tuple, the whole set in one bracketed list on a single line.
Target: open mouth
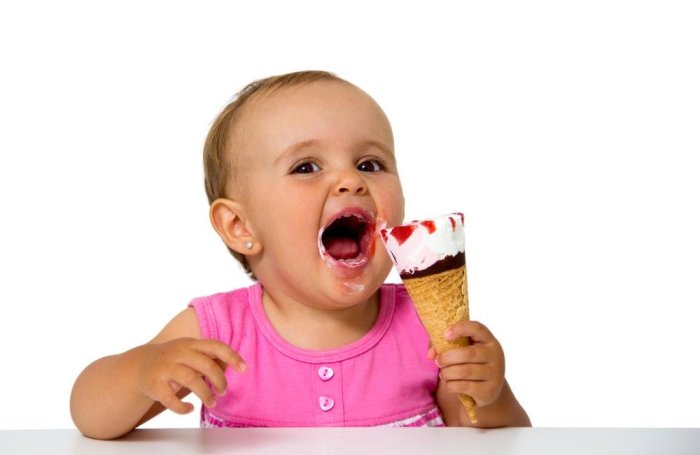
[(346, 239)]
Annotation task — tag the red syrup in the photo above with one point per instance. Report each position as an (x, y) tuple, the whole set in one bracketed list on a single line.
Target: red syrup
[(429, 225), (454, 224), (402, 233)]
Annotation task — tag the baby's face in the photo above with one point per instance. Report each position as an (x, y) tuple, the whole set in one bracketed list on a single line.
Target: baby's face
[(318, 178)]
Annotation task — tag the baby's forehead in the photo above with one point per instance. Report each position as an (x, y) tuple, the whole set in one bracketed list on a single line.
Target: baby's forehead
[(305, 93), (325, 100)]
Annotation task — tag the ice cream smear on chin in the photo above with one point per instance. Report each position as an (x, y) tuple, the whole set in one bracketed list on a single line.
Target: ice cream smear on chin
[(421, 248)]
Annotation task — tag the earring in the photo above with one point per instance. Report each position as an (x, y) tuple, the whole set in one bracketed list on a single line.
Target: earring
[(249, 245)]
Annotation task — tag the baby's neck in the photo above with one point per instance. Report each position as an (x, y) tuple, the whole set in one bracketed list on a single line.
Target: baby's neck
[(316, 329)]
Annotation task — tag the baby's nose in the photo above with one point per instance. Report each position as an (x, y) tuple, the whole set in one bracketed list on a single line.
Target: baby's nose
[(350, 182)]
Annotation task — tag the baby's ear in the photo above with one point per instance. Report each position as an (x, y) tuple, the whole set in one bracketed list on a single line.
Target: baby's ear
[(228, 219)]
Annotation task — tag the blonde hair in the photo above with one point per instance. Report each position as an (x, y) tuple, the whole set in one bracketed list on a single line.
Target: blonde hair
[(219, 158)]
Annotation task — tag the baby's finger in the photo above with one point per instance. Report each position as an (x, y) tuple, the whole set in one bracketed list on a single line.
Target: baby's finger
[(218, 350), (467, 372), (164, 394), (478, 332), (209, 368), (432, 353), (192, 380), (467, 354)]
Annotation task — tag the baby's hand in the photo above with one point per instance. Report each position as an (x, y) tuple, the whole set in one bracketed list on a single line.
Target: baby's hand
[(186, 363), (477, 370)]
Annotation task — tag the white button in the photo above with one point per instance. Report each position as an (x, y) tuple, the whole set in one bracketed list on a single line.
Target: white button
[(326, 403), (325, 373)]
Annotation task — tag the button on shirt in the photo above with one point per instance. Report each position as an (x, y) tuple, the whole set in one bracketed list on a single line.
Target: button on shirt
[(325, 373), (327, 386)]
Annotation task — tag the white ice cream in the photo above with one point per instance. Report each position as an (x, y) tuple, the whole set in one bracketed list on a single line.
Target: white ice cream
[(423, 248)]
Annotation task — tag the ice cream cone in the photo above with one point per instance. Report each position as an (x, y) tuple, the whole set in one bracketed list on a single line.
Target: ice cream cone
[(429, 256), (441, 301)]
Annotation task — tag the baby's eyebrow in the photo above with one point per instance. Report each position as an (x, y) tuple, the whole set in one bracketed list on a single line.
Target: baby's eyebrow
[(295, 148), (383, 147)]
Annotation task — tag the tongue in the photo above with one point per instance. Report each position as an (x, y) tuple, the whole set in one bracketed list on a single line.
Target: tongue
[(342, 248)]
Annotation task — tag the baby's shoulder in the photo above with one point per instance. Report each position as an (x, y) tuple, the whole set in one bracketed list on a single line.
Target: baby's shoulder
[(222, 315), (225, 300)]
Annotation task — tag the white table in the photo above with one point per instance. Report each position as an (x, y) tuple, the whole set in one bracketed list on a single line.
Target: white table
[(364, 441)]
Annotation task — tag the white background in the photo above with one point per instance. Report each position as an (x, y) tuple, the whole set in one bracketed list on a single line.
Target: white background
[(568, 132)]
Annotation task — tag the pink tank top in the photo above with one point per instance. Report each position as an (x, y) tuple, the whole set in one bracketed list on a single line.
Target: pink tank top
[(384, 378)]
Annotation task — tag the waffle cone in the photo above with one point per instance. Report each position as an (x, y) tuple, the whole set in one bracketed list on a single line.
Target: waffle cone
[(441, 301)]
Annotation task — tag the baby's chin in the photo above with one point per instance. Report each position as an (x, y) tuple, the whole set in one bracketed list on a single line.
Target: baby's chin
[(363, 285)]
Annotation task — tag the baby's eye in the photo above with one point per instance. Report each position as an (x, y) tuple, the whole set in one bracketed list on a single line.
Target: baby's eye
[(306, 167), (370, 166)]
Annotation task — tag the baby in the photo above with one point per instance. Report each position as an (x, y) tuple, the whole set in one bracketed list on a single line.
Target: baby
[(300, 173)]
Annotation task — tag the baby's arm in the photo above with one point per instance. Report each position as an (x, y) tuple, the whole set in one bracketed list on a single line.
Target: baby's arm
[(477, 370), (115, 394)]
